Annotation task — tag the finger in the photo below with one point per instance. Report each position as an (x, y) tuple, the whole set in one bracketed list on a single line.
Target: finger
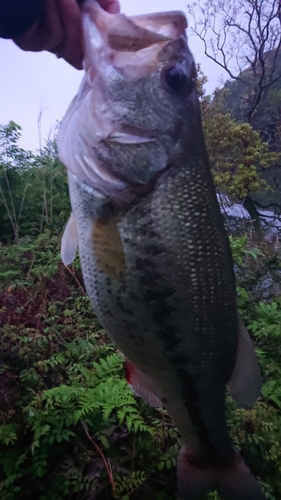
[(71, 47), (111, 6)]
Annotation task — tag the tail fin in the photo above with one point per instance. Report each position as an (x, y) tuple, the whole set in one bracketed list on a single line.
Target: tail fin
[(233, 482)]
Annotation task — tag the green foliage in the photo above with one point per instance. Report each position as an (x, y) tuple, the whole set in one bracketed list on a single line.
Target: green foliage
[(124, 487), (237, 153), (33, 188), (201, 81), (257, 432), (243, 253), (266, 327), (23, 264), (240, 250), (70, 426)]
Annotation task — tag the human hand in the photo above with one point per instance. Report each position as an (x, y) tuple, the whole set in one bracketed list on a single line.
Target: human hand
[(59, 30)]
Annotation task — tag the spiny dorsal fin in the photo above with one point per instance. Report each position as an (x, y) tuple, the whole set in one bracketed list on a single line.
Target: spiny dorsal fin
[(69, 242), (245, 382), (108, 248)]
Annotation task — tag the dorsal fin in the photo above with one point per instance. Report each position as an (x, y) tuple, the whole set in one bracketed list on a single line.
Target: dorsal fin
[(69, 241)]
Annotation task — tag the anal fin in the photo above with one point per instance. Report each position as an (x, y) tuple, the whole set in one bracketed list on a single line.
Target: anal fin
[(140, 384), (245, 382)]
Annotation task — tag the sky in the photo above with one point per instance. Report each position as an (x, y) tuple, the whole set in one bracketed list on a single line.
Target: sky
[(39, 84)]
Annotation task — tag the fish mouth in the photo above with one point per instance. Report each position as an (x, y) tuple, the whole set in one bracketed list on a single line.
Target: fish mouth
[(133, 33), (129, 44)]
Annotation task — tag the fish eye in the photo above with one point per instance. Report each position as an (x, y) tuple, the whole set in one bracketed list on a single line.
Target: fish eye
[(175, 77)]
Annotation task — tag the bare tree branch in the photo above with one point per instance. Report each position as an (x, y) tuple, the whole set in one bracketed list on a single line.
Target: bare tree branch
[(240, 35)]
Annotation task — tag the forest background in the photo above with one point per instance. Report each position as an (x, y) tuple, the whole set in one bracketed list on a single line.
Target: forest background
[(70, 427)]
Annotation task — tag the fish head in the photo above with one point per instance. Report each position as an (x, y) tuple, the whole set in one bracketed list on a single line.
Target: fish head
[(136, 113)]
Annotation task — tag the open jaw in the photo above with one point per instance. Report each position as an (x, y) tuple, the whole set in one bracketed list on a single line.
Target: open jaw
[(129, 44)]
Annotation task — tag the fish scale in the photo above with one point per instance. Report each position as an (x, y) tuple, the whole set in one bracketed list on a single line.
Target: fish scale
[(154, 252), (173, 327)]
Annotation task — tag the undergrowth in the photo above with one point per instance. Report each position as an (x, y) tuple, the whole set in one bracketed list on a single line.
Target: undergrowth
[(70, 427)]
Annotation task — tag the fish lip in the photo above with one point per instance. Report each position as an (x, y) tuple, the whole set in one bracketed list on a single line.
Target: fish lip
[(125, 138), (127, 44)]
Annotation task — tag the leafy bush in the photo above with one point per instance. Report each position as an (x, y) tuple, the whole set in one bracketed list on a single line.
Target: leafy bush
[(70, 427), (257, 432), (240, 250), (33, 188)]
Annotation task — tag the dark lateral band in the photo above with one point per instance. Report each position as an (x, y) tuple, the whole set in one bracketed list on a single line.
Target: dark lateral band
[(17, 16)]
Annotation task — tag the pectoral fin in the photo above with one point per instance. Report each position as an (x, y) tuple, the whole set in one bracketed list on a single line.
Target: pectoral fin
[(108, 248), (69, 242), (245, 382)]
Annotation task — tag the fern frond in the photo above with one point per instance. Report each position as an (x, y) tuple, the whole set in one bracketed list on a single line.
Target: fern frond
[(272, 391)]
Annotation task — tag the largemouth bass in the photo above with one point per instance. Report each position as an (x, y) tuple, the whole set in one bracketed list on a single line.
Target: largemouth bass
[(154, 252)]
